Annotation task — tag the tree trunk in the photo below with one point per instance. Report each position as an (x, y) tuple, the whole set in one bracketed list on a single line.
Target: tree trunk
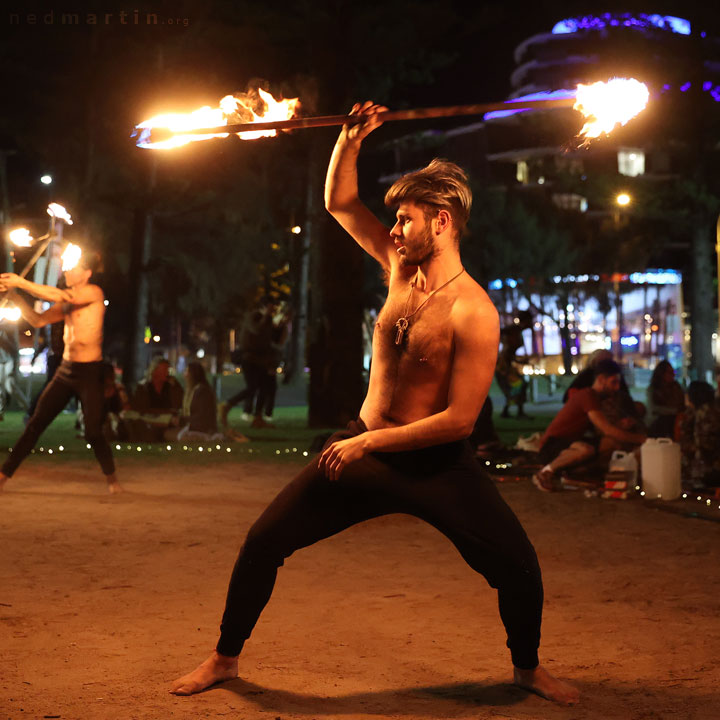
[(335, 338), (301, 278), (702, 301), (137, 352)]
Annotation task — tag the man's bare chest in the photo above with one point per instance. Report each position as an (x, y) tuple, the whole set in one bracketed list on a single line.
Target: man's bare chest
[(409, 331)]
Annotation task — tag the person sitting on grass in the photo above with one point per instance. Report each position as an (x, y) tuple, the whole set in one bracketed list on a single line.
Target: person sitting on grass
[(665, 399), (156, 400), (198, 422), (567, 442)]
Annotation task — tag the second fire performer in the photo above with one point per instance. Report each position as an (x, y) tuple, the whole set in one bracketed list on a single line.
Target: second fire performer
[(82, 307)]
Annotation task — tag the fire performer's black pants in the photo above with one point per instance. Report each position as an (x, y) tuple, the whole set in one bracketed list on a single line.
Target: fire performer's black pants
[(443, 485), (84, 379)]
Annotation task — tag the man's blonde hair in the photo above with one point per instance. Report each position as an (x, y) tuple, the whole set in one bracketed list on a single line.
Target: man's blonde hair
[(442, 185)]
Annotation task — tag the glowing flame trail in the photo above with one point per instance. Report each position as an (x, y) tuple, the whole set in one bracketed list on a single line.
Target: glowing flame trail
[(609, 104), (71, 257), (232, 109)]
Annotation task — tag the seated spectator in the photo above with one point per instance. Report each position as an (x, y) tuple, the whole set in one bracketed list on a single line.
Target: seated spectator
[(619, 408), (665, 399), (586, 377), (154, 403), (198, 422), (567, 441), (699, 431)]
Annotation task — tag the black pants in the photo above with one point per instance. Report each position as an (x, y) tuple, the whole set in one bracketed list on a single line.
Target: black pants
[(255, 389), (72, 378), (443, 485)]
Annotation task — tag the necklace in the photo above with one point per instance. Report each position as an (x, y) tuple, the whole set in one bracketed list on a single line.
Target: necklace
[(404, 321)]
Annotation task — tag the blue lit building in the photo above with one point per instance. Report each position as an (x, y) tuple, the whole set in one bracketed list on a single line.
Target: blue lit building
[(528, 152)]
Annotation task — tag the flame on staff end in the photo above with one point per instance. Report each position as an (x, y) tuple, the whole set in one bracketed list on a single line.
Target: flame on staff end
[(608, 104), (10, 313), (20, 237), (59, 213), (71, 257), (232, 109)]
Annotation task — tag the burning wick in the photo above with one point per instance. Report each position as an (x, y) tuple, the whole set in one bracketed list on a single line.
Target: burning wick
[(21, 237), (71, 257), (10, 313), (59, 213), (609, 104), (231, 109)]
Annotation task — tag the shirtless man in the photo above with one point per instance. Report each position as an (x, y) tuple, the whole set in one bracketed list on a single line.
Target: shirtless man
[(82, 307), (434, 351)]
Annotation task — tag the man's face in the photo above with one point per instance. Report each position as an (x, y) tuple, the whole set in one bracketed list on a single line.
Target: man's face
[(608, 384), (77, 276), (412, 234)]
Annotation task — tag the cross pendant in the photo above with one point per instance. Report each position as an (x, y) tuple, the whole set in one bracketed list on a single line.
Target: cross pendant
[(401, 326)]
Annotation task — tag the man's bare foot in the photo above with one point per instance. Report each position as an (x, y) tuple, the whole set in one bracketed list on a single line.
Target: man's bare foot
[(215, 669), (540, 681), (114, 487), (3, 480)]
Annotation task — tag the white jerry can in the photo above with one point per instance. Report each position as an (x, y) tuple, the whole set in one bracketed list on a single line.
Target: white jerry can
[(622, 461), (660, 468)]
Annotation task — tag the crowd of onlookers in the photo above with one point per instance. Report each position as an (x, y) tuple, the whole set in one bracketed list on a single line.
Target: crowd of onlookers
[(168, 406), (599, 416)]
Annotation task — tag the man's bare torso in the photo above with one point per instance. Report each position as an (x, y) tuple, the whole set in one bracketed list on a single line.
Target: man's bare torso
[(83, 335), (410, 381)]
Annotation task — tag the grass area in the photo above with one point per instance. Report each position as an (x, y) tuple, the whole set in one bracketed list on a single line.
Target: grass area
[(287, 442)]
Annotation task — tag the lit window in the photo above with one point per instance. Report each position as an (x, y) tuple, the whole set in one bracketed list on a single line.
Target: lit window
[(570, 201), (522, 172), (631, 162)]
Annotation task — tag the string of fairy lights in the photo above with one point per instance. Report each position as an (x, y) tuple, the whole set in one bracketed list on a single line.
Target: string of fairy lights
[(206, 449), (703, 499), (218, 449)]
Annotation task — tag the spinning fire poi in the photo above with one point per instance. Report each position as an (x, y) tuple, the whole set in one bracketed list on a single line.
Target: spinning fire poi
[(434, 353)]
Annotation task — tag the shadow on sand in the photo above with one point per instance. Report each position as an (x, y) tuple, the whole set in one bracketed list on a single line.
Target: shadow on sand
[(456, 698)]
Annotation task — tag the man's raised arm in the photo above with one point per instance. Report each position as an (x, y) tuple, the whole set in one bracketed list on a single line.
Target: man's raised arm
[(341, 188), (42, 292), (52, 315), (83, 295)]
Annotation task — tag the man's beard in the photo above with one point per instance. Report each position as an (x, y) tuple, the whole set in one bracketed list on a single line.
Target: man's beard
[(422, 252)]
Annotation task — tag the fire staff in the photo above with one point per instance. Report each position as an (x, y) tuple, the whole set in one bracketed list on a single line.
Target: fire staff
[(434, 351), (82, 307)]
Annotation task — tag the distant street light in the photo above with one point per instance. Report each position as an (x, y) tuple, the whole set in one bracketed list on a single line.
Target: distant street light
[(623, 199), (295, 229), (46, 179)]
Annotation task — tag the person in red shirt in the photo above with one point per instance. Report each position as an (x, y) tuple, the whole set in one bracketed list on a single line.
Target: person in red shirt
[(565, 442)]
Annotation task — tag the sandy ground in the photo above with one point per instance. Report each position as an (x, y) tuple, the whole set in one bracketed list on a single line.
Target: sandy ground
[(105, 600)]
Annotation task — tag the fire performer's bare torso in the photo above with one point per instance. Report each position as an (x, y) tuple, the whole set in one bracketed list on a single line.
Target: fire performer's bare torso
[(81, 306), (411, 380), (83, 331)]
